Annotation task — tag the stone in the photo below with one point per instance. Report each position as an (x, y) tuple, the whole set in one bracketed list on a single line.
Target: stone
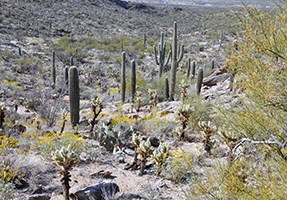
[(100, 191), (210, 81), (39, 197)]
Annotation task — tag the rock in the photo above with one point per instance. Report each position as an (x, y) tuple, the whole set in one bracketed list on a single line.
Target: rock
[(38, 190), (213, 80), (39, 197), (101, 191), (154, 141), (131, 197)]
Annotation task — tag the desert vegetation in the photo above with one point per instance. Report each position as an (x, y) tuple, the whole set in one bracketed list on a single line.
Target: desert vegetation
[(119, 100)]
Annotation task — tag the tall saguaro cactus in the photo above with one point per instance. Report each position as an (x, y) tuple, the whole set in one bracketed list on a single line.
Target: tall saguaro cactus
[(53, 68), (159, 54), (123, 77), (74, 94), (176, 57), (133, 80)]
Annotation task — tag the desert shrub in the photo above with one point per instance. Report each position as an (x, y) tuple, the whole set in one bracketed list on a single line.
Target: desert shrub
[(246, 178), (7, 144), (258, 62), (178, 166), (28, 65), (48, 142)]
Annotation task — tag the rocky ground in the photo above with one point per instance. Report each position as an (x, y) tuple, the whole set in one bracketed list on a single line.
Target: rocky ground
[(95, 33)]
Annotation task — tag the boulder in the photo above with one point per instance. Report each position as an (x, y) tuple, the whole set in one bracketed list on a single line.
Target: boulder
[(100, 191)]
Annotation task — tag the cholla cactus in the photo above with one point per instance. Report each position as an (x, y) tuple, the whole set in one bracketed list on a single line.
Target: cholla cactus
[(183, 90), (138, 100), (208, 130), (152, 98), (184, 114), (66, 158), (97, 106), (160, 156), (144, 150), (178, 132)]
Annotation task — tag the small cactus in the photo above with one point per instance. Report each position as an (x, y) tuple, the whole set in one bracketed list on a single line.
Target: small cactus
[(133, 80), (64, 118), (144, 151), (66, 158), (138, 100), (183, 90), (97, 106), (152, 98), (123, 77), (74, 96), (208, 130), (184, 113), (160, 156), (199, 81)]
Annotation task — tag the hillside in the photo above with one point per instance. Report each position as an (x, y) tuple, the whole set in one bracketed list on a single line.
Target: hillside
[(175, 122)]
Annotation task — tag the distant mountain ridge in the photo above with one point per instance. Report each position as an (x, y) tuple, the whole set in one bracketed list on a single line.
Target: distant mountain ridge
[(261, 3)]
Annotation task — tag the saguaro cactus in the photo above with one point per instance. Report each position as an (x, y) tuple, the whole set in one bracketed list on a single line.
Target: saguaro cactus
[(74, 94), (123, 77), (144, 40), (199, 80), (53, 69), (66, 73), (176, 57), (193, 69), (71, 61), (188, 67), (133, 80), (160, 59), (213, 64), (166, 87)]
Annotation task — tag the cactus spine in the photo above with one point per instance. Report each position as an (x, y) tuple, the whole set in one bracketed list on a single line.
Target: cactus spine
[(176, 57), (199, 80), (188, 67), (74, 95), (53, 69), (133, 80), (123, 77), (160, 59)]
